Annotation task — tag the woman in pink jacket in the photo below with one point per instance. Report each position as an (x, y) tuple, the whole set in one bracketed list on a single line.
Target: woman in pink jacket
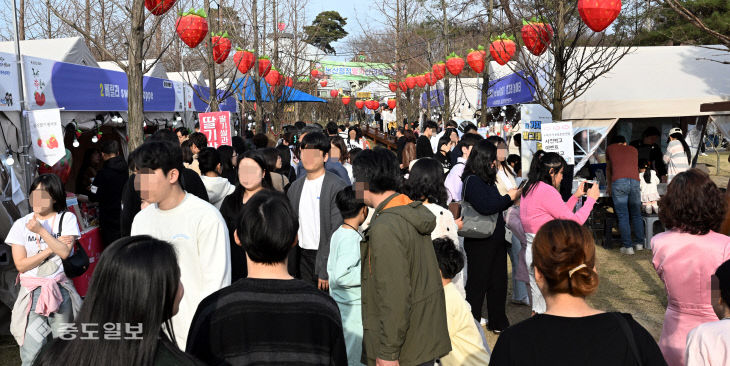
[(686, 256)]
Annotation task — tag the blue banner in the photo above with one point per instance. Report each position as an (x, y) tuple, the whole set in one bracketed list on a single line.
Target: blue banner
[(509, 90)]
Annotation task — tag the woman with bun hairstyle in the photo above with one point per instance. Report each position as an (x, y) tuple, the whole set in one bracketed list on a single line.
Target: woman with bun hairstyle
[(571, 332)]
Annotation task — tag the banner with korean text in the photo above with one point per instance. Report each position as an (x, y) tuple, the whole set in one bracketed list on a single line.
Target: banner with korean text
[(217, 128)]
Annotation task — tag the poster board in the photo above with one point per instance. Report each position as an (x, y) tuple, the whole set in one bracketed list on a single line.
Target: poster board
[(532, 118), (217, 128), (558, 137)]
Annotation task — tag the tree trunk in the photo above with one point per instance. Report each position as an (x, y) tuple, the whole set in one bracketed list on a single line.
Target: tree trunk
[(560, 65), (398, 95), (87, 20), (255, 71), (135, 99), (21, 20), (445, 28), (485, 73), (210, 65)]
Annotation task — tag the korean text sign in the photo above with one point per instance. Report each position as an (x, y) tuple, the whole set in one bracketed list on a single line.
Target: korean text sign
[(217, 128)]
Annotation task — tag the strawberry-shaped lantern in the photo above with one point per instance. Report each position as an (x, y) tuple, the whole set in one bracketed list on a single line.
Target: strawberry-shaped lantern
[(410, 81), (264, 66), (273, 77), (334, 92), (454, 64), (475, 59), (221, 47), (323, 83), (421, 80), (599, 14), (192, 27), (244, 60), (536, 35), (403, 86), (393, 86), (439, 70), (158, 7), (359, 104), (391, 103), (316, 73), (289, 81), (502, 48), (345, 100), (430, 79)]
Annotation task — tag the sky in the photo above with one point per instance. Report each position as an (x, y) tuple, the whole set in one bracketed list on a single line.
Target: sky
[(353, 10)]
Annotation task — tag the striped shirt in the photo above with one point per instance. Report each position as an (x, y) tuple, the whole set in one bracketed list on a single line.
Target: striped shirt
[(268, 322), (676, 159)]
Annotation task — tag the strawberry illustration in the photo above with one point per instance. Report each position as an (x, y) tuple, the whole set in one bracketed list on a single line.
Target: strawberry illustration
[(221, 47), (264, 66), (439, 70), (421, 80), (536, 35), (274, 77), (40, 98), (158, 7), (411, 81), (599, 14), (243, 59), (39, 142), (454, 64), (52, 142), (502, 48), (391, 103), (393, 86), (345, 100), (475, 59), (192, 27)]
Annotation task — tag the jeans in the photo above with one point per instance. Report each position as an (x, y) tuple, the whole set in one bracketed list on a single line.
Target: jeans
[(519, 289), (38, 325), (626, 196)]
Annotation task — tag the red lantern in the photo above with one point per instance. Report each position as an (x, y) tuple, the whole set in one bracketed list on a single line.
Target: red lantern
[(243, 59), (536, 36), (345, 100), (334, 93), (599, 14), (273, 78), (455, 64), (430, 79), (359, 104), (323, 83), (289, 82), (158, 7), (439, 70), (411, 81), (316, 73), (421, 80), (393, 86), (475, 59), (264, 66), (403, 87), (502, 49), (391, 103)]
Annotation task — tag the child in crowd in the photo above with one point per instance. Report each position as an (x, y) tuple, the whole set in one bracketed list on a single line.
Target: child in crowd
[(709, 343), (343, 268), (648, 185), (468, 345)]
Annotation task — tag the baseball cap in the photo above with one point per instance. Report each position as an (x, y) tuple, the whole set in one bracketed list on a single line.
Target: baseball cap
[(675, 130)]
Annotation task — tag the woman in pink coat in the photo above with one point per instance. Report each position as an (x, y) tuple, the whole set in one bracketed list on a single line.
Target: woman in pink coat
[(687, 255)]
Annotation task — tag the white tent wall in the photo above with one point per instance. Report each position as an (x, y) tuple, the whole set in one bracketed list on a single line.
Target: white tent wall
[(72, 50), (157, 71)]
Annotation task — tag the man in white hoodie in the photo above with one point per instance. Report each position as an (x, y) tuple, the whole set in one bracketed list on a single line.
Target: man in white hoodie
[(194, 227), (218, 188)]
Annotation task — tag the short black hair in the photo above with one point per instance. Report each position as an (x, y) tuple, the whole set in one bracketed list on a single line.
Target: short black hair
[(452, 124), (430, 124), (238, 144), (468, 140), (198, 139), (167, 135), (53, 185), (260, 140), (449, 258), (342, 128), (331, 128), (516, 160), (110, 147), (299, 125), (316, 140), (197, 125), (348, 204), (208, 160), (157, 154), (470, 127), (651, 131), (378, 168), (723, 276), (267, 227), (618, 139), (183, 131), (310, 129)]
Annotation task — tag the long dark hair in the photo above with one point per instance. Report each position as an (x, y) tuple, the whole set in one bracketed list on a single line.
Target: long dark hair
[(426, 182), (542, 166), (135, 282), (644, 164), (358, 133), (679, 137), (497, 140), (227, 171), (482, 155), (258, 157)]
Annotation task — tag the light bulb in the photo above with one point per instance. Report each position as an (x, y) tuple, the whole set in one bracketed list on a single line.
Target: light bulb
[(94, 139), (144, 124), (10, 160), (76, 142), (178, 118), (174, 123)]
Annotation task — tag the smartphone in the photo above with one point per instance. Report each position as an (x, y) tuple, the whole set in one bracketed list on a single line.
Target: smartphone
[(587, 185), (455, 208)]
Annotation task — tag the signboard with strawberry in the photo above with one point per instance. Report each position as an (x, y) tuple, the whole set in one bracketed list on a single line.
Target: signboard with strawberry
[(46, 131), (475, 59), (221, 47), (536, 35), (192, 27), (502, 48), (599, 14), (454, 64)]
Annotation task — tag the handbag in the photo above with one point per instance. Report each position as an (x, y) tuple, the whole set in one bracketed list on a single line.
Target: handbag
[(77, 263), (476, 225)]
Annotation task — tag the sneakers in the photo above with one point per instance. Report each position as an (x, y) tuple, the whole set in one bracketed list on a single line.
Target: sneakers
[(639, 246), (627, 251)]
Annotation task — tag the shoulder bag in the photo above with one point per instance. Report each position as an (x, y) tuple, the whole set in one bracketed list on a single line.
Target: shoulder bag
[(476, 225), (76, 263)]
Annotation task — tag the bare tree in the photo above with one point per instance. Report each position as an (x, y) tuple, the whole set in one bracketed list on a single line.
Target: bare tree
[(697, 22)]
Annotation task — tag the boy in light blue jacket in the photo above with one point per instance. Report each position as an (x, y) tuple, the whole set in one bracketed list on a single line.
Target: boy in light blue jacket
[(343, 268)]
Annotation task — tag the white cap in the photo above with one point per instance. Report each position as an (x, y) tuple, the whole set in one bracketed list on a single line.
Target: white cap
[(675, 130)]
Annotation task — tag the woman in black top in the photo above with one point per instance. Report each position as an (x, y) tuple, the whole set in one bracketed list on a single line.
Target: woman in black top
[(571, 332), (487, 258), (443, 153), (252, 178)]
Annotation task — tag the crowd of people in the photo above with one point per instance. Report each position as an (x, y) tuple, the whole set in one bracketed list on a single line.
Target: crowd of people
[(318, 249)]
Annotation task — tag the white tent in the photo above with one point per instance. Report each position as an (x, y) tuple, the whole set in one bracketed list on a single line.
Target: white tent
[(72, 50), (157, 70)]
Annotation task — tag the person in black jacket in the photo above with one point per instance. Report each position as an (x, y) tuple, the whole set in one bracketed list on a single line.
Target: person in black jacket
[(132, 202), (107, 190), (423, 144), (490, 276)]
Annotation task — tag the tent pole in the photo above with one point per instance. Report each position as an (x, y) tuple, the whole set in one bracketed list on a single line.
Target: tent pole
[(25, 129)]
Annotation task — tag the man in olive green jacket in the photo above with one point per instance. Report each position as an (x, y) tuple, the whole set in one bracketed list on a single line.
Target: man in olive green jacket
[(403, 306)]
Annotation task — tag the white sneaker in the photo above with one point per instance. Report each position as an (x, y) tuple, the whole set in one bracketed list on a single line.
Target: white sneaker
[(703, 154), (627, 251), (639, 247), (483, 322)]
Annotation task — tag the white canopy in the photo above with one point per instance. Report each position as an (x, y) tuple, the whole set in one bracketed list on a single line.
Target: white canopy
[(72, 50), (665, 81), (157, 71)]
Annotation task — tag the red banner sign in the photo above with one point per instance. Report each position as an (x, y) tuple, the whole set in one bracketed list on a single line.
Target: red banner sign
[(217, 128)]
